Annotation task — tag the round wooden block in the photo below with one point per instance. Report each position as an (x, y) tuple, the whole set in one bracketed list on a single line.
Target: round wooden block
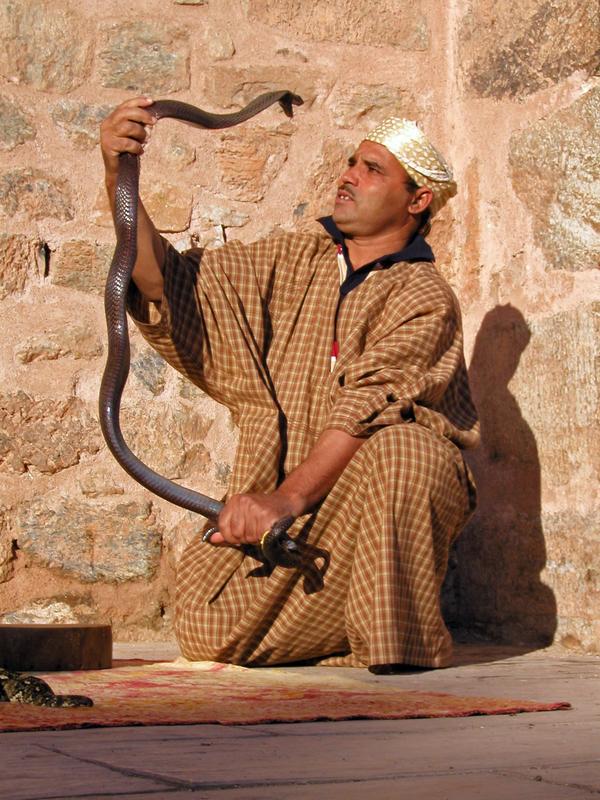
[(45, 648)]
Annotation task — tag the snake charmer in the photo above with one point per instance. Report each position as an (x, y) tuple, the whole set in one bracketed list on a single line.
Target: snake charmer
[(339, 353)]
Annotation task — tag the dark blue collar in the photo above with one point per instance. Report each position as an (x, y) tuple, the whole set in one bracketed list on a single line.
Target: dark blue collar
[(416, 250)]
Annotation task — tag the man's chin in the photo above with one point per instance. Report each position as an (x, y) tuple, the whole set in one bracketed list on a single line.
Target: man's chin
[(343, 223)]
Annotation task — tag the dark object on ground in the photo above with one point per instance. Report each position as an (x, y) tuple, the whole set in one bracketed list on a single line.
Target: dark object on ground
[(49, 648), (17, 688)]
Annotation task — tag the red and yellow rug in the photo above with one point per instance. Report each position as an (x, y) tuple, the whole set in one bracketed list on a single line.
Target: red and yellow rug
[(185, 693)]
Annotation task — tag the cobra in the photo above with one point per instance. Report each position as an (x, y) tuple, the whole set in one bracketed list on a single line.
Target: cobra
[(277, 547)]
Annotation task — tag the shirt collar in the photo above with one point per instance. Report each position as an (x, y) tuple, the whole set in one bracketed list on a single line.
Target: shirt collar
[(416, 250)]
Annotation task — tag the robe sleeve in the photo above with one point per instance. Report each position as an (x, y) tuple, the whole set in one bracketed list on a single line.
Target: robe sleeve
[(214, 301), (173, 325), (411, 368)]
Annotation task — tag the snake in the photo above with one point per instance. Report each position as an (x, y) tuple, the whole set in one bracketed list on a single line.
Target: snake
[(16, 687), (277, 547)]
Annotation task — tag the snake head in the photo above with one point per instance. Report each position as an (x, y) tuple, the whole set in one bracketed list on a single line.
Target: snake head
[(278, 548), (288, 101)]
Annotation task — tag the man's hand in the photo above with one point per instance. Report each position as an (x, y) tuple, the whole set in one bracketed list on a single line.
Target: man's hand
[(124, 131), (246, 517)]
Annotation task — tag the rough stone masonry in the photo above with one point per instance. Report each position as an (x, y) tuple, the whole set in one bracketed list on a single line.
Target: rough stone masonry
[(509, 93)]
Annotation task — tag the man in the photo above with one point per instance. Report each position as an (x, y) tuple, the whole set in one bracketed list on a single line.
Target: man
[(339, 353)]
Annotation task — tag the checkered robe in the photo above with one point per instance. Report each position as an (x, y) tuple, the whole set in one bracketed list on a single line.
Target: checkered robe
[(252, 325)]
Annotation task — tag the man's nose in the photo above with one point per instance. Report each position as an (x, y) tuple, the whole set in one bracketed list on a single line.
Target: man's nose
[(350, 175)]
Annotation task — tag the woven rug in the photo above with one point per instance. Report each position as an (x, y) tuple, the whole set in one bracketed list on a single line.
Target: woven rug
[(186, 693)]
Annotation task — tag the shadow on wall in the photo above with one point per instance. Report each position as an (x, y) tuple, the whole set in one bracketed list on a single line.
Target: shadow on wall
[(493, 589)]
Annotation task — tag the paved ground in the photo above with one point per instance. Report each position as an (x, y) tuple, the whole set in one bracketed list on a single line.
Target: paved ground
[(550, 756)]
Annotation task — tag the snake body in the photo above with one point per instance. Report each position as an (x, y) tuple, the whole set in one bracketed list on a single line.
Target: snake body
[(18, 688), (277, 547)]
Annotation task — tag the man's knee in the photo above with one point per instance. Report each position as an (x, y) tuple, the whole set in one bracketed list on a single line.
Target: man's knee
[(409, 452)]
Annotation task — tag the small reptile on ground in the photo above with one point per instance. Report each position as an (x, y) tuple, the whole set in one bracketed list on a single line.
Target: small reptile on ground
[(16, 687)]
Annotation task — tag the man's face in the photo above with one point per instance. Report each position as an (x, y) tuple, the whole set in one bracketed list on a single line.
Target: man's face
[(374, 193)]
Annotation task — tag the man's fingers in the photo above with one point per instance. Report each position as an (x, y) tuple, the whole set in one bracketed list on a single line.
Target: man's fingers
[(234, 529), (138, 115), (131, 130), (136, 108), (236, 521), (126, 130), (126, 124), (142, 100), (246, 517), (127, 146), (129, 118)]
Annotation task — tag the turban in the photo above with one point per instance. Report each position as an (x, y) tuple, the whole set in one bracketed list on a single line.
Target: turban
[(425, 165)]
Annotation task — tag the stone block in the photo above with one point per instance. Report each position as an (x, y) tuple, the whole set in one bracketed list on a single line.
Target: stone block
[(178, 153), (353, 104), (402, 25), (100, 483), (562, 405), (43, 435), (536, 386), (554, 170), (168, 439), (45, 648), (572, 568), (224, 216), (101, 214), (209, 225), (191, 392), (82, 265), (18, 263), (16, 126), (47, 51), (7, 554), (318, 193), (150, 369), (36, 194), (572, 573), (74, 340), (110, 541), (292, 53), (219, 45), (144, 56), (509, 50), (79, 122), (249, 161), (169, 205)]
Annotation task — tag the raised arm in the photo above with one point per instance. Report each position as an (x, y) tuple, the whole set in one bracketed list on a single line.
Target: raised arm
[(125, 131)]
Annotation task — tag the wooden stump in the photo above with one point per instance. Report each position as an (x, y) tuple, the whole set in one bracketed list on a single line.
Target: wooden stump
[(46, 648)]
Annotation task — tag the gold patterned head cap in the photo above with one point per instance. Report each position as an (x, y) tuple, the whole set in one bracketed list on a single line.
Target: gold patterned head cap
[(425, 165)]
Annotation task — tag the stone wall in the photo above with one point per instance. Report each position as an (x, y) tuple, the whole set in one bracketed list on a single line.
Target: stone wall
[(507, 92)]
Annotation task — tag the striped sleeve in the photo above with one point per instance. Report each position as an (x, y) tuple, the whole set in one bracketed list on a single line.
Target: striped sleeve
[(411, 358)]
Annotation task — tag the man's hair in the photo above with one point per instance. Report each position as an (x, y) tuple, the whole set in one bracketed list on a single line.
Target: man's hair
[(425, 226)]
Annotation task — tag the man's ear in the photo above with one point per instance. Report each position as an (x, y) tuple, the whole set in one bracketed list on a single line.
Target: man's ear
[(421, 200)]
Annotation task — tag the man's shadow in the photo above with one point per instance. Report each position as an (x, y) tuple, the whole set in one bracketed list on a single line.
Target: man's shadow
[(493, 590)]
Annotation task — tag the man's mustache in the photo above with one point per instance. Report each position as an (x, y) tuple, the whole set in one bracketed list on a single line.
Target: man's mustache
[(347, 189)]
